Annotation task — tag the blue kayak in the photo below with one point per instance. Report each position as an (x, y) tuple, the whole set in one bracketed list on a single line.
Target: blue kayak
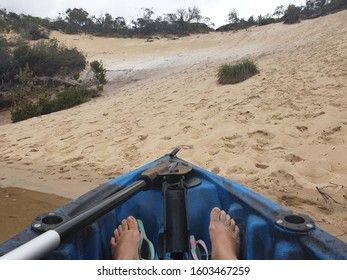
[(173, 199)]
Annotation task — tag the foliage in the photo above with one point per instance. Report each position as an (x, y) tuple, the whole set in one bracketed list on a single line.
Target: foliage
[(99, 73), (49, 59), (24, 110), (31, 28), (235, 23), (30, 99), (233, 17), (265, 20), (292, 14), (69, 98), (183, 22), (279, 11), (66, 99), (8, 65), (235, 73), (335, 5)]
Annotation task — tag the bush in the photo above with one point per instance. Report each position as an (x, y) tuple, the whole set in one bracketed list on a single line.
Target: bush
[(8, 66), (69, 98), (292, 14), (335, 5), (25, 109), (232, 74), (36, 34), (99, 73), (49, 59)]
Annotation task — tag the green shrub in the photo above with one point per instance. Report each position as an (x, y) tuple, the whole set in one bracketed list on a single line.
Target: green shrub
[(236, 73), (49, 59), (24, 110), (99, 73), (8, 66), (292, 14), (69, 98)]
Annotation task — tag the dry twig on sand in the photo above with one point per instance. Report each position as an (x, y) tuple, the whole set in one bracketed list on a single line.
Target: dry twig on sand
[(327, 197)]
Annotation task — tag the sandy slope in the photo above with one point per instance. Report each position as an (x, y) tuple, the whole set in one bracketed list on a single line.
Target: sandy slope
[(281, 133)]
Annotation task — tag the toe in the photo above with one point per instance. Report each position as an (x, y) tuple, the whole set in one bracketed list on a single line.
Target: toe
[(237, 235), (132, 222), (116, 234), (120, 229), (113, 242), (223, 216), (237, 232), (124, 225), (215, 214), (227, 220), (232, 224)]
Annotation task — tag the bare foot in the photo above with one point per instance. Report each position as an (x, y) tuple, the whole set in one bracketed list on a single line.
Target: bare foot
[(225, 236), (126, 240)]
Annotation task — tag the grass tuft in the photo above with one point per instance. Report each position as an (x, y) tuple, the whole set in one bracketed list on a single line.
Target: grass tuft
[(236, 73)]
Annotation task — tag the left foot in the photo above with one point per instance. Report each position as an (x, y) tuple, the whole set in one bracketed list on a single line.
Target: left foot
[(225, 236), (126, 240)]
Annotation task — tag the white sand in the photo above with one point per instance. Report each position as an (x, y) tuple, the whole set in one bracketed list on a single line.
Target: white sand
[(281, 133)]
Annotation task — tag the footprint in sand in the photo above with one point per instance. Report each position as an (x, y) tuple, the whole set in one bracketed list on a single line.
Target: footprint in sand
[(95, 133), (244, 117), (233, 144), (142, 137), (293, 158), (186, 129), (24, 138), (261, 166), (214, 152), (261, 134), (328, 134), (130, 153), (88, 150), (262, 139), (285, 180), (72, 160), (301, 128), (314, 115), (295, 200)]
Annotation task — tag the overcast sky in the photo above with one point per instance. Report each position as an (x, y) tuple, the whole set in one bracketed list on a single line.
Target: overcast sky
[(216, 10)]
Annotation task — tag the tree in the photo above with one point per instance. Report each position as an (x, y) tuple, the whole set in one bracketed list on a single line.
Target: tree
[(192, 14), (171, 18), (315, 4), (77, 19), (186, 19), (292, 14), (233, 17), (99, 73), (251, 21), (279, 11), (8, 66), (144, 20)]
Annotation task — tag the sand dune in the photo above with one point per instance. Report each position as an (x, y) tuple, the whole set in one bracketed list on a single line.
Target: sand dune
[(282, 133)]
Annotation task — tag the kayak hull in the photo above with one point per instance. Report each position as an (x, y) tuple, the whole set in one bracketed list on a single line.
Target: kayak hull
[(268, 230)]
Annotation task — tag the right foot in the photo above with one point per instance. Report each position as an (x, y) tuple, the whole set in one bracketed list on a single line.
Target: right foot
[(126, 240), (225, 236)]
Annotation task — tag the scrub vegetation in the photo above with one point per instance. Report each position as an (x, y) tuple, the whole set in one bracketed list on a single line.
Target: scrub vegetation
[(236, 73)]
